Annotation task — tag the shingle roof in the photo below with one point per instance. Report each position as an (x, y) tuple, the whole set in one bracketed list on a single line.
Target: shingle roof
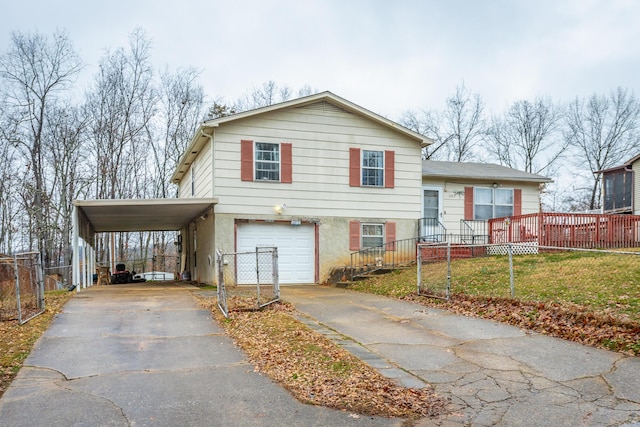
[(490, 171)]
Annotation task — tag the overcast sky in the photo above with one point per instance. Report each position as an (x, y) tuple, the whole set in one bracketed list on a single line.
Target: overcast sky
[(387, 56)]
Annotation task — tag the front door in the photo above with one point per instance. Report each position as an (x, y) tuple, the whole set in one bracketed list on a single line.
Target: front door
[(430, 226)]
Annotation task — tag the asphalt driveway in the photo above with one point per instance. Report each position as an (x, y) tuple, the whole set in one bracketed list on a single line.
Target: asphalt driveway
[(148, 355), (494, 374)]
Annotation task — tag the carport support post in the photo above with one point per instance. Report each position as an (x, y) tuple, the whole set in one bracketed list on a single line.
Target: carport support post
[(74, 257)]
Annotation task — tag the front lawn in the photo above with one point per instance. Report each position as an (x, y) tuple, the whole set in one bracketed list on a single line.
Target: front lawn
[(592, 298)]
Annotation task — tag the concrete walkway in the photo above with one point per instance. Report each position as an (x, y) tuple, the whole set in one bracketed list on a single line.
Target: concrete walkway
[(147, 355), (493, 374)]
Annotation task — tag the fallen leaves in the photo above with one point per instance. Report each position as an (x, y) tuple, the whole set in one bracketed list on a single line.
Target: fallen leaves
[(17, 340), (317, 371), (573, 322)]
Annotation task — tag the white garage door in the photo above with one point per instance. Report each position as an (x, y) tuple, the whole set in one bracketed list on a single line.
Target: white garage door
[(295, 243)]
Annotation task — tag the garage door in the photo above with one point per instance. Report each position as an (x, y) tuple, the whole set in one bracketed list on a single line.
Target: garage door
[(295, 243)]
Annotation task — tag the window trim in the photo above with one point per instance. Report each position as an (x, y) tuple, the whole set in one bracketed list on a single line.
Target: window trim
[(256, 161), (380, 170), (382, 235), (493, 202)]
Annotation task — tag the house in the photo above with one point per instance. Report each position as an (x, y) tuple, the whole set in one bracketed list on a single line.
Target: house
[(620, 188), (459, 197), (319, 177)]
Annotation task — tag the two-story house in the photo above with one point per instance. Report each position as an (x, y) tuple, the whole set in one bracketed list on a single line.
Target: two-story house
[(318, 177)]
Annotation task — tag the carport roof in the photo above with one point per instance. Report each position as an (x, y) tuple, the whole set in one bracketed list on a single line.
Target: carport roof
[(107, 215)]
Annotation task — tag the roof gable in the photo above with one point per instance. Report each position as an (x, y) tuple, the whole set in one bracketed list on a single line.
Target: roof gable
[(324, 100), (626, 165)]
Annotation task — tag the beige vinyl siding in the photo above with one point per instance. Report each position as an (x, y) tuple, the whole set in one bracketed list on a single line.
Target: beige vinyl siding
[(320, 140), (453, 198), (184, 186), (203, 183)]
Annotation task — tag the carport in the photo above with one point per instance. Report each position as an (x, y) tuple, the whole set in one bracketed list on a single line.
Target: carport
[(123, 215)]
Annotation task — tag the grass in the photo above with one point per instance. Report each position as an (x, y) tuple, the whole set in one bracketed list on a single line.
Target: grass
[(598, 281), (565, 294), (17, 340)]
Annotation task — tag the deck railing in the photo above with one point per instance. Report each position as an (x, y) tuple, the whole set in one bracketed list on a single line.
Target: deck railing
[(568, 230), (543, 229)]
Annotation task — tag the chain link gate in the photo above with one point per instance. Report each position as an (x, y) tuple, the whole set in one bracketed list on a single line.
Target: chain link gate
[(21, 287), (434, 270), (247, 280)]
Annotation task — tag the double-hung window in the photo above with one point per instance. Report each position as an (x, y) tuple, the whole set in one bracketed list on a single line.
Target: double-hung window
[(372, 235), (492, 203), (267, 161), (372, 168)]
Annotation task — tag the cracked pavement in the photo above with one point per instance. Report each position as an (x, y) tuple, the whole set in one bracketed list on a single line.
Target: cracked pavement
[(148, 355), (493, 374)]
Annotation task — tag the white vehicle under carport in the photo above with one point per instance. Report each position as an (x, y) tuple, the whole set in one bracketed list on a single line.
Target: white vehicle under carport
[(156, 276)]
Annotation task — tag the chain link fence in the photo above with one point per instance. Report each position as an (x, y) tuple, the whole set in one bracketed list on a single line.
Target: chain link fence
[(247, 280), (21, 287), (57, 278), (497, 269)]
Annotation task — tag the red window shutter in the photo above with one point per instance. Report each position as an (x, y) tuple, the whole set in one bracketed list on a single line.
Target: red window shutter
[(390, 231), (246, 160), (389, 169), (468, 203), (286, 162), (354, 167), (517, 201), (354, 235)]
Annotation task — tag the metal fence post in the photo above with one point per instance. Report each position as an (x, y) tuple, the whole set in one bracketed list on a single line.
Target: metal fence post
[(511, 278), (258, 274), (448, 290), (16, 273)]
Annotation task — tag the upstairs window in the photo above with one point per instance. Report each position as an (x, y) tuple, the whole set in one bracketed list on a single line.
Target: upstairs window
[(372, 168), (368, 168), (267, 163), (492, 203)]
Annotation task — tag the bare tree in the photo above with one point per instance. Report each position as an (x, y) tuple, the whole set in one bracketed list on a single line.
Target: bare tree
[(527, 138), (603, 131), (268, 94), (456, 131), (426, 123), (181, 109), (68, 175), (119, 109), (34, 71)]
